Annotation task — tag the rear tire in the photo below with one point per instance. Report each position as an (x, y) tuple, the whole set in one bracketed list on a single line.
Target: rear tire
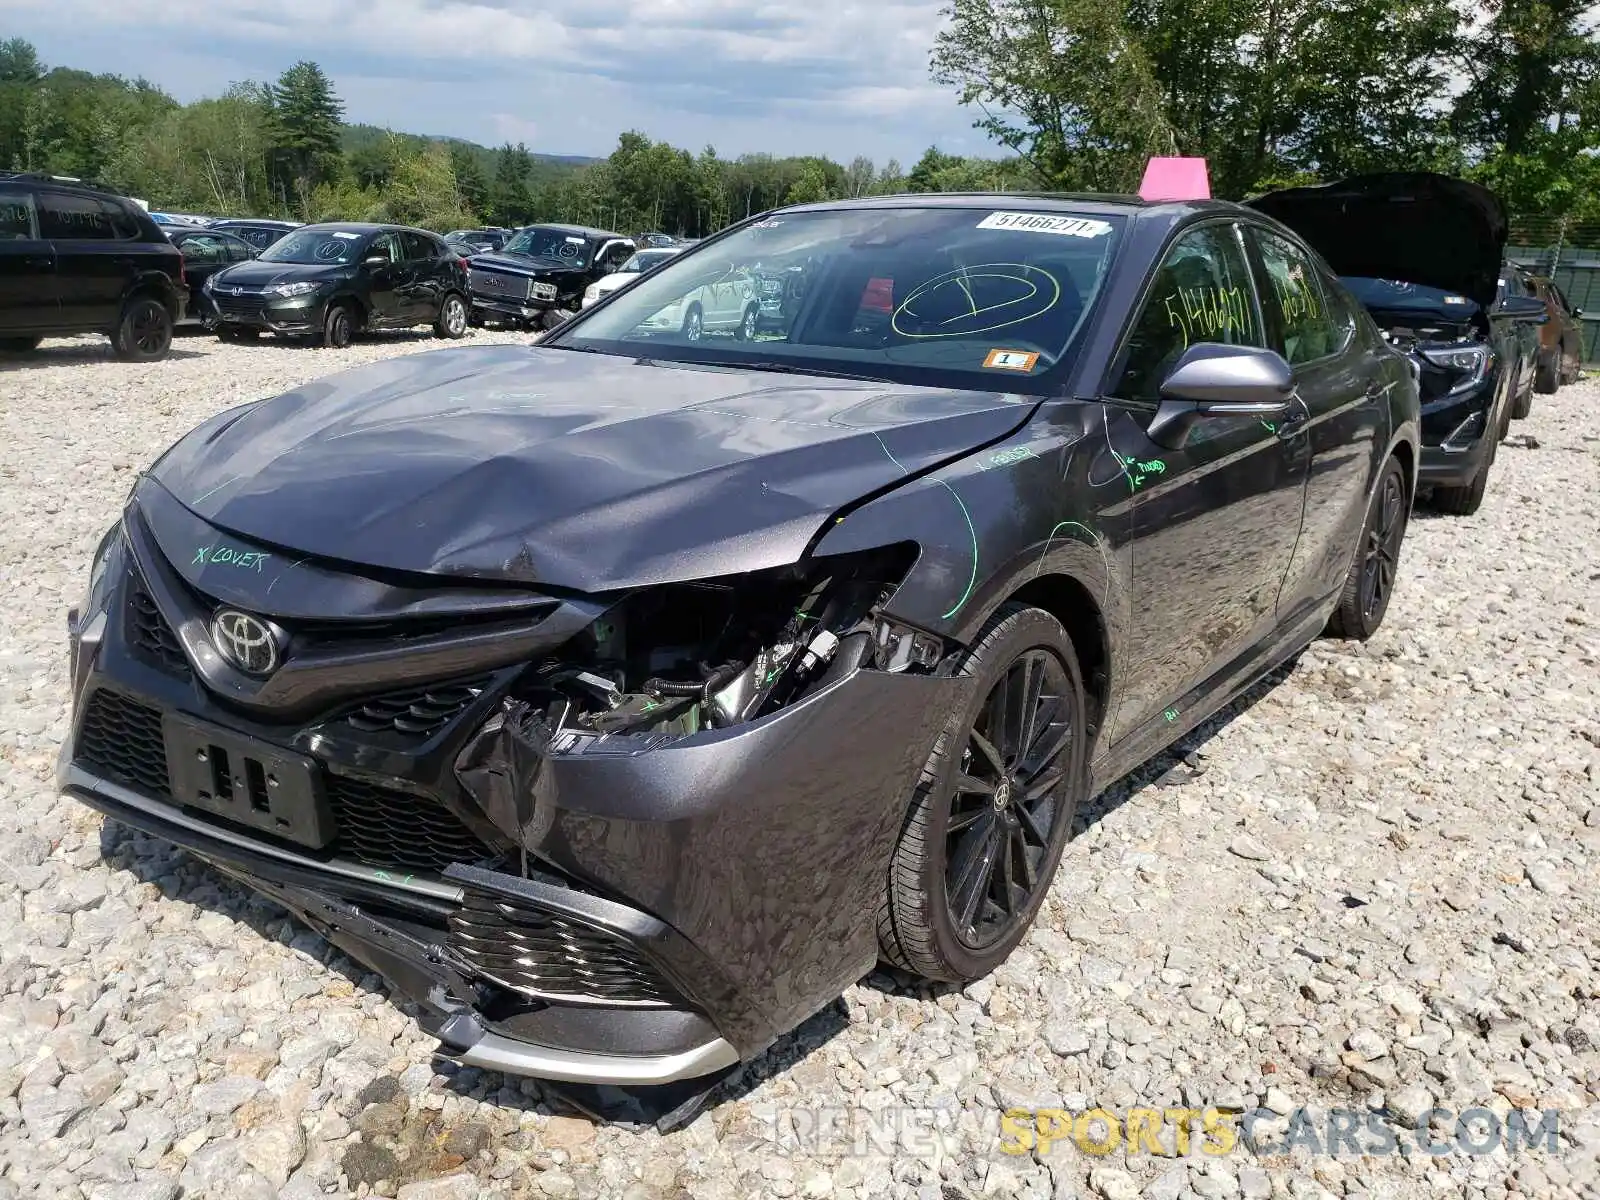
[(19, 345), (1376, 561), (338, 327), (452, 322), (144, 331), (1001, 814)]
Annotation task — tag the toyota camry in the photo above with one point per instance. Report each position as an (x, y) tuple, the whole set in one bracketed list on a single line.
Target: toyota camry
[(624, 698)]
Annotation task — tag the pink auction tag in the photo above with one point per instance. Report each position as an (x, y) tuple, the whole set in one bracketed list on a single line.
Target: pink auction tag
[(1175, 179)]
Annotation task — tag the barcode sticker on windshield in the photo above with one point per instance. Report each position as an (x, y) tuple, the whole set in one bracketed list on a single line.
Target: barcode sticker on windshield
[(349, 237), (1026, 222), (1011, 360)]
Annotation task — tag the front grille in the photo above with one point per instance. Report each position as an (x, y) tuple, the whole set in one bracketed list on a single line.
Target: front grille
[(244, 308), (418, 712), (492, 283), (149, 635), (122, 739), (399, 830), (550, 956)]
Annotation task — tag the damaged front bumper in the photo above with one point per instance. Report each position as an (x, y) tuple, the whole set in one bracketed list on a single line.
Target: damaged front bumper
[(626, 909)]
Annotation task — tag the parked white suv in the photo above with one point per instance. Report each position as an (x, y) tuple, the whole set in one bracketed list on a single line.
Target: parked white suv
[(639, 264)]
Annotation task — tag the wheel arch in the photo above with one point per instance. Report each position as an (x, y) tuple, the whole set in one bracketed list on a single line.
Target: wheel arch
[(1070, 601)]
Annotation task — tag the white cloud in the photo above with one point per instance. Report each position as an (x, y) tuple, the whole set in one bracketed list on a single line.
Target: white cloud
[(830, 76)]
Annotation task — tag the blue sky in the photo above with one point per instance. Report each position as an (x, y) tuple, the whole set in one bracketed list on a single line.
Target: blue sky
[(835, 77)]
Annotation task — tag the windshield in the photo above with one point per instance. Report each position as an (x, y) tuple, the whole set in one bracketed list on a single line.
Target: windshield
[(538, 242), (324, 246), (942, 296), (643, 261)]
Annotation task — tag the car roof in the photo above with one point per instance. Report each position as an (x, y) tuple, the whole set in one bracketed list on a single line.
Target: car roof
[(1044, 202), (271, 222), (363, 227), (585, 230), (68, 183)]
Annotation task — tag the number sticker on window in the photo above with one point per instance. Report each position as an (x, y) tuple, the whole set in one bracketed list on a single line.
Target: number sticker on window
[(1011, 360)]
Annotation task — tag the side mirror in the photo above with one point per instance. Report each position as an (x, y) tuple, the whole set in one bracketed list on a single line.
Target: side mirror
[(1211, 380), (377, 260), (1524, 308), (1576, 313)]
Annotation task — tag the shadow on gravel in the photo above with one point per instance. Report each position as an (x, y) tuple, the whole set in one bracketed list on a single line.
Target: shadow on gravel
[(183, 876), (66, 356), (665, 1108)]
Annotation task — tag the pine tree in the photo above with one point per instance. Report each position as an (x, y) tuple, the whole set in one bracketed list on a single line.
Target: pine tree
[(307, 118)]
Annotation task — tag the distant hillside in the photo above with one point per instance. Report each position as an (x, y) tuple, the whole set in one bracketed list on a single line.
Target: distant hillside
[(546, 166)]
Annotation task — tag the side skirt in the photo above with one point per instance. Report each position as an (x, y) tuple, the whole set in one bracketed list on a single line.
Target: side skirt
[(1209, 698)]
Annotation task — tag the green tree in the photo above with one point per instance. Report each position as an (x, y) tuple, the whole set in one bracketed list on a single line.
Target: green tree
[(472, 189), (306, 119), (510, 201)]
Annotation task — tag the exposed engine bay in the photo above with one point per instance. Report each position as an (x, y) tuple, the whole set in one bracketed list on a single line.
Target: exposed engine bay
[(683, 658)]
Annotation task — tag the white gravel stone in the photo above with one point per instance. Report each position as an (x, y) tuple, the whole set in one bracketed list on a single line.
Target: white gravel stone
[(1377, 877)]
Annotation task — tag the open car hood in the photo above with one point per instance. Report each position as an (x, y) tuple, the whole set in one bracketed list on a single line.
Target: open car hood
[(1413, 226), (542, 466)]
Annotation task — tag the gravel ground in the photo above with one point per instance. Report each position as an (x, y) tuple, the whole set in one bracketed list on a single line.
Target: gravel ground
[(1369, 891)]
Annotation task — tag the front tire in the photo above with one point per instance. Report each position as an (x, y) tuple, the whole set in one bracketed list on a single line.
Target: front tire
[(749, 323), (694, 327), (452, 322), (338, 327), (1547, 378), (993, 807), (144, 331), (1466, 499), (1376, 562)]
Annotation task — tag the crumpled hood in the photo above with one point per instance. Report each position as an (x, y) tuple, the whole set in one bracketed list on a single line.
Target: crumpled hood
[(1413, 226), (525, 264), (569, 469)]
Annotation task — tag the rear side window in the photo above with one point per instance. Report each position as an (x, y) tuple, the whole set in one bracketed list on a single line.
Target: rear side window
[(18, 221), (1303, 329), (1201, 293), (76, 218), (123, 223), (202, 248), (419, 248)]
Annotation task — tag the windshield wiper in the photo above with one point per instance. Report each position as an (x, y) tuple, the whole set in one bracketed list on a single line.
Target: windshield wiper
[(775, 368)]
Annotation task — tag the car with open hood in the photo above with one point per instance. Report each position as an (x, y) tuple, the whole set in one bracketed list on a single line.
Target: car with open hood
[(653, 684), (329, 282), (540, 274), (1424, 252)]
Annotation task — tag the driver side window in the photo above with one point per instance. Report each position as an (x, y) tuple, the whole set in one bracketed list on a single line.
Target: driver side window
[(1201, 293), (385, 246)]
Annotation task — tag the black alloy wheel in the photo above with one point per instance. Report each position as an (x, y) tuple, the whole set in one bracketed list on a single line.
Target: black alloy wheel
[(1376, 562), (144, 333), (1004, 808), (993, 808), (1381, 555), (338, 327)]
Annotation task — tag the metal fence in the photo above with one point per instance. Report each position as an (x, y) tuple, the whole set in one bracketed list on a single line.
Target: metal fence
[(1569, 253)]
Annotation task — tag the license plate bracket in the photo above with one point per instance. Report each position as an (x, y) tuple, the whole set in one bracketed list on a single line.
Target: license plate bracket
[(247, 781)]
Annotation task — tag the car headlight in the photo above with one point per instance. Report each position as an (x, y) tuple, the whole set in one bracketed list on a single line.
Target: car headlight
[(591, 293), (1470, 361), (302, 288), (542, 291)]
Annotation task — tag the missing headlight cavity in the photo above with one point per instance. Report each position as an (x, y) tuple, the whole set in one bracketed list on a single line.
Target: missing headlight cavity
[(681, 658)]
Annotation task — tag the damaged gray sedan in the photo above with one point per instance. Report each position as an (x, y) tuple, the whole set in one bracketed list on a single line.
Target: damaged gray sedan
[(624, 698)]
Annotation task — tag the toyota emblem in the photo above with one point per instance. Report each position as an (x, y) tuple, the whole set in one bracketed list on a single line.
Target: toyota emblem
[(245, 641)]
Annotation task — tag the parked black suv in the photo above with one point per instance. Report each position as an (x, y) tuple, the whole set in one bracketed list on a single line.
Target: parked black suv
[(332, 281), (542, 271), (260, 232), (76, 258)]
